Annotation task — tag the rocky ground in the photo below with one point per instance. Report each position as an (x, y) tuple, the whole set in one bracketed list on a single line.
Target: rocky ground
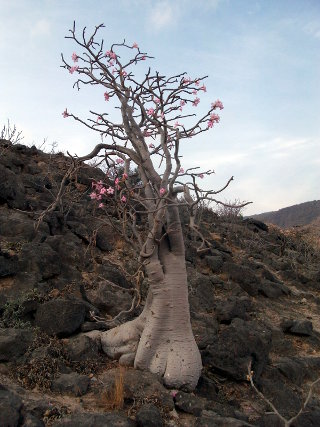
[(254, 298)]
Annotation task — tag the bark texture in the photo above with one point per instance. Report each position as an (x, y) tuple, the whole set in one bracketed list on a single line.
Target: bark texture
[(160, 339)]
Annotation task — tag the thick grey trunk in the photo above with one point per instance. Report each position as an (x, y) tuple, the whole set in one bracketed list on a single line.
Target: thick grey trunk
[(160, 339)]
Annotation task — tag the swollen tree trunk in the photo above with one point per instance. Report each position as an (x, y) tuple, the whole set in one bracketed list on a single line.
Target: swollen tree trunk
[(160, 339)]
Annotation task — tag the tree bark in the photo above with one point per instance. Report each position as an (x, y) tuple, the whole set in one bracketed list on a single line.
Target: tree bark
[(160, 339)]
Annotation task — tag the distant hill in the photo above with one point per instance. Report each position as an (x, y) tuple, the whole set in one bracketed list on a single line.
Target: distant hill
[(301, 214)]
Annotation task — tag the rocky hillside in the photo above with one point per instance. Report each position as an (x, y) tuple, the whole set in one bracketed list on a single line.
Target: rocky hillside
[(301, 214), (65, 274)]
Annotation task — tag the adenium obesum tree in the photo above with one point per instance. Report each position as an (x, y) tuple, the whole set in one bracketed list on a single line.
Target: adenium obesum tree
[(155, 116)]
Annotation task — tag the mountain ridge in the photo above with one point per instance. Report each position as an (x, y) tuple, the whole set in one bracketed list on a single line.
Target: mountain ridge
[(296, 215)]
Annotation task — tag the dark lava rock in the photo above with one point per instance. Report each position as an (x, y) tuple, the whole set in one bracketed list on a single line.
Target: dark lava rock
[(256, 225), (243, 276), (104, 240), (236, 346), (32, 421), (60, 317), (212, 419), (201, 294), (82, 348), (190, 404), (40, 258), (138, 385), (72, 383), (272, 289), (8, 266), (14, 343), (149, 416), (12, 190), (214, 262), (109, 298), (207, 388), (297, 327), (233, 307), (10, 407), (95, 420)]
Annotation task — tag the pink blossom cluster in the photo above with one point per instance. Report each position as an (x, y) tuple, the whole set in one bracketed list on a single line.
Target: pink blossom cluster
[(106, 96), (135, 46), (162, 191), (111, 54), (100, 190), (73, 69), (217, 104), (65, 113), (74, 57), (214, 118), (196, 102)]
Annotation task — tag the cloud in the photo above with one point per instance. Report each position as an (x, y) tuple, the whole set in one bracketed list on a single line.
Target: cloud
[(162, 15), (41, 28)]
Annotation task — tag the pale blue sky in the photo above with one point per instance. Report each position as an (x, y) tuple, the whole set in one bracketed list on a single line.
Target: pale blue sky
[(262, 58)]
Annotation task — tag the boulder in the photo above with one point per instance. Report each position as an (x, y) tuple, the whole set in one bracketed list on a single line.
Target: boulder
[(60, 317), (108, 298), (12, 190), (297, 327), (236, 346), (72, 383), (10, 407), (149, 416), (14, 343)]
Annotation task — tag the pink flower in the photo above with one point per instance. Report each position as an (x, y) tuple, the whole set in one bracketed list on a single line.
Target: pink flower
[(116, 181), (123, 199), (135, 46), (150, 112), (217, 104), (186, 80), (156, 100), (65, 113), (73, 69), (110, 190), (181, 170), (106, 96), (123, 73), (196, 102), (194, 91), (143, 58), (176, 124), (151, 146), (93, 195), (162, 191), (203, 88), (124, 176), (182, 103), (74, 57), (100, 205), (214, 118), (119, 161), (197, 82), (201, 175), (99, 119), (103, 190), (111, 54)]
